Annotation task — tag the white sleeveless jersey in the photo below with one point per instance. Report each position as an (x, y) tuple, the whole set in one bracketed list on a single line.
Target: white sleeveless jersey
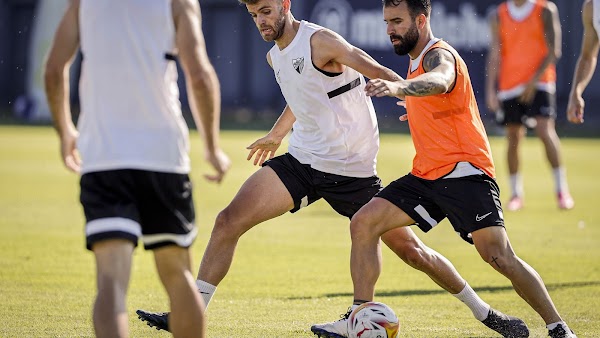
[(130, 110), (596, 16), (336, 127)]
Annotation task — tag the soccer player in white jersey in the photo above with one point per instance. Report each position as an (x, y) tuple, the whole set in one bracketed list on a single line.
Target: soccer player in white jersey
[(331, 155), (588, 57), (133, 143)]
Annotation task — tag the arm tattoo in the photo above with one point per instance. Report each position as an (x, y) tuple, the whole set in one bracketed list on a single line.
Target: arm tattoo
[(421, 88), (436, 82), (434, 58)]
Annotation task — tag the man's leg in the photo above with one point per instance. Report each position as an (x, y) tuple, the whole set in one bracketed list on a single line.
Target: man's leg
[(113, 269), (546, 132), (494, 247), (262, 197), (187, 309), (514, 135), (405, 243)]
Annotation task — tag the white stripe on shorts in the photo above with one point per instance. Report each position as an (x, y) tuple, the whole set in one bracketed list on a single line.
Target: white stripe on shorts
[(425, 215), (109, 224), (181, 240)]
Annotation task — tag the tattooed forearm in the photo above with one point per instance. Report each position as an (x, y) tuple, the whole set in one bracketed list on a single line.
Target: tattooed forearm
[(423, 88)]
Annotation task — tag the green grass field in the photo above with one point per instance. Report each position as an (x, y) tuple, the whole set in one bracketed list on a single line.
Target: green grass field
[(293, 271)]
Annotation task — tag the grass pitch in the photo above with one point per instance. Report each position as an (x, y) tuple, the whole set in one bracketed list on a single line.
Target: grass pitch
[(293, 271)]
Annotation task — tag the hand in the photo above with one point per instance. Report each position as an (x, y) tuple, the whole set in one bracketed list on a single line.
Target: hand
[(220, 162), (492, 102), (263, 148), (575, 110), (529, 94), (403, 117), (379, 88), (68, 150)]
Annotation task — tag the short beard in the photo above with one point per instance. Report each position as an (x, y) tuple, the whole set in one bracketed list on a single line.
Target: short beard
[(278, 27), (407, 42)]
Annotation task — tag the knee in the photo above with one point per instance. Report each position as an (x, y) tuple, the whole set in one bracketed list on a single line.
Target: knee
[(361, 228), (225, 226)]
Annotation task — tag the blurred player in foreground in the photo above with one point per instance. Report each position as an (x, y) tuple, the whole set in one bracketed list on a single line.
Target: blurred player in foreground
[(133, 143)]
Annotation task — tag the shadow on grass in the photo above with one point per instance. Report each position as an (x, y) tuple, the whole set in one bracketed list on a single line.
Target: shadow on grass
[(550, 287)]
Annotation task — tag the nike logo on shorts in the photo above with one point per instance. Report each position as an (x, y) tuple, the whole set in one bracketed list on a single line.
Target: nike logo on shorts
[(479, 218)]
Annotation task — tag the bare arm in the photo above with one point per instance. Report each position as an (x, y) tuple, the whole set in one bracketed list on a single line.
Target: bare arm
[(493, 63), (266, 146), (331, 52), (56, 79), (553, 37), (586, 65), (439, 78), (440, 68), (203, 85)]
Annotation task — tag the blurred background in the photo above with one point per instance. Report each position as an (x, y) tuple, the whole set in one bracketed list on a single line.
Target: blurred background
[(251, 97)]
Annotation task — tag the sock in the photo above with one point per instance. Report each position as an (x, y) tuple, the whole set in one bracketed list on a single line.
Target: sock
[(554, 325), (207, 290), (516, 185), (479, 308), (560, 179)]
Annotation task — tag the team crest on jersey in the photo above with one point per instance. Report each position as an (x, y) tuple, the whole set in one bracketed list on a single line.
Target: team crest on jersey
[(298, 64)]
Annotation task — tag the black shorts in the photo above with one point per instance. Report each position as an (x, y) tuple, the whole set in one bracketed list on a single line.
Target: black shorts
[(470, 203), (544, 104), (129, 204), (306, 185)]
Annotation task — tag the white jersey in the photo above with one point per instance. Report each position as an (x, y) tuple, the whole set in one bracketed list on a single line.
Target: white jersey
[(596, 16), (130, 110), (336, 127)]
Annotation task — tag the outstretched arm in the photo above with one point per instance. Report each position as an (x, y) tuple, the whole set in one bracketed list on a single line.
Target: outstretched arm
[(586, 65), (266, 146), (331, 50), (439, 78), (56, 79)]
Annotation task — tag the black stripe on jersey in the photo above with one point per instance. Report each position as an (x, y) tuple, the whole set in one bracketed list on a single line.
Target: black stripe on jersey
[(170, 57), (344, 88)]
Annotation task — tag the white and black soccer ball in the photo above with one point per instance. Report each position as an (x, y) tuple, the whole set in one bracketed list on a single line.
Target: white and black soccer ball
[(373, 320)]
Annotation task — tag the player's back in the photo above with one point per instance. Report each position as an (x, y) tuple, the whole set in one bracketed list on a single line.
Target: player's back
[(131, 115)]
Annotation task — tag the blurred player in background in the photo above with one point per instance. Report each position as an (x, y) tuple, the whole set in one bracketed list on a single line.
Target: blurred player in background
[(453, 174), (133, 143), (332, 155), (586, 64), (521, 86)]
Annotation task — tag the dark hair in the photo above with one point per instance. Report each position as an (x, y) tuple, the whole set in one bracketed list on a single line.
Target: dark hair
[(415, 7)]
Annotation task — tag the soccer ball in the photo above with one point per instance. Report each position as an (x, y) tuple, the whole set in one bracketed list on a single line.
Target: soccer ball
[(373, 320)]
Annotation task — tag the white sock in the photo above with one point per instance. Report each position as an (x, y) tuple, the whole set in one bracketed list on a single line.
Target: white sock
[(516, 185), (207, 290), (554, 325), (479, 308), (560, 179)]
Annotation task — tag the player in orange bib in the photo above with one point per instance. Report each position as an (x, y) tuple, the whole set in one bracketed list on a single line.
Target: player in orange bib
[(521, 85), (453, 171)]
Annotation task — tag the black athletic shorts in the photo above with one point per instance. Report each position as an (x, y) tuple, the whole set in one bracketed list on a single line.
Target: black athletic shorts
[(470, 203), (130, 204), (544, 104), (306, 185)]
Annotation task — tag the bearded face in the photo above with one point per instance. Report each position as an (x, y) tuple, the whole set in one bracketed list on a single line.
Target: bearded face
[(404, 44)]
